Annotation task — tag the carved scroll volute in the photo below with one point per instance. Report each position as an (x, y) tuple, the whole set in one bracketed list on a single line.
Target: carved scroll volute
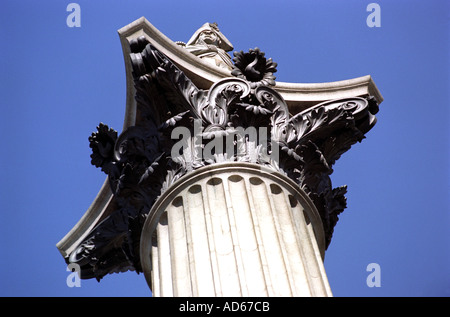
[(223, 95), (363, 110), (273, 101)]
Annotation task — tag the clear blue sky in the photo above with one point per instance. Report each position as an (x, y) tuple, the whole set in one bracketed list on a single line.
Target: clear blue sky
[(57, 83)]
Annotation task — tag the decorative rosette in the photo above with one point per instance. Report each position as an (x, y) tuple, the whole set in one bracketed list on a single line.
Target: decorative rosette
[(102, 144), (254, 67)]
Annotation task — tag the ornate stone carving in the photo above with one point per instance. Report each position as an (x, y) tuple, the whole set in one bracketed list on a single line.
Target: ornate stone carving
[(254, 67), (180, 128)]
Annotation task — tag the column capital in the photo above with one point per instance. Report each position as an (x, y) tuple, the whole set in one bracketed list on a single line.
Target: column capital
[(178, 122)]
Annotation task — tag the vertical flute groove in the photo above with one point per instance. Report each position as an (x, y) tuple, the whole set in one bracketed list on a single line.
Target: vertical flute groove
[(288, 239), (201, 260), (164, 262), (226, 275), (178, 246), (247, 243), (270, 241)]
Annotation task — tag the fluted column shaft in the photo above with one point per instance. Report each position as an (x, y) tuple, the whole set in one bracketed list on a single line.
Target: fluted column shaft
[(234, 229)]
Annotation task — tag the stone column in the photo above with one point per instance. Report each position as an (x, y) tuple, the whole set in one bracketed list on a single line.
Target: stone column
[(234, 229)]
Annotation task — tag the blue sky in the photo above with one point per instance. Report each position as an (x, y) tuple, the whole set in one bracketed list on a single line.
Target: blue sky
[(57, 83)]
